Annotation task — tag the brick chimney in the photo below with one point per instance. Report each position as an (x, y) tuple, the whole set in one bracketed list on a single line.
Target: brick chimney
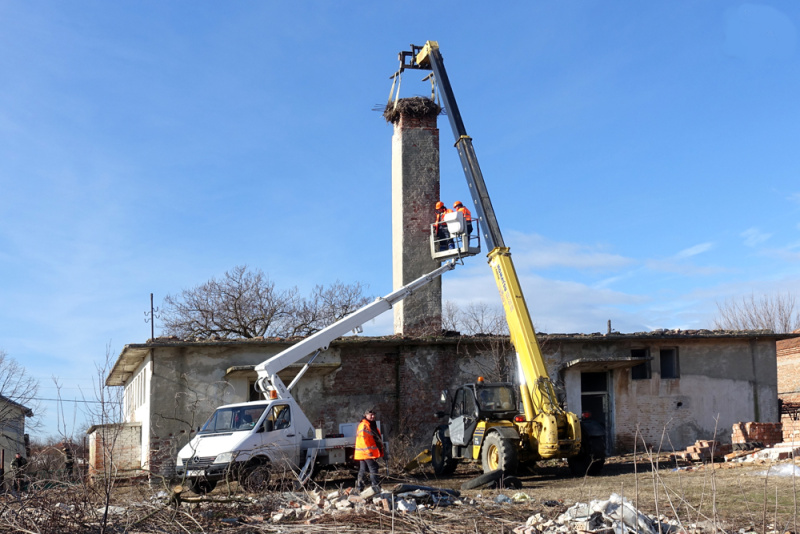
[(415, 191)]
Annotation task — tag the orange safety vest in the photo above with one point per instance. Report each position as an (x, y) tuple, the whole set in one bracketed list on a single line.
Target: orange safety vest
[(440, 217), (467, 214), (369, 444)]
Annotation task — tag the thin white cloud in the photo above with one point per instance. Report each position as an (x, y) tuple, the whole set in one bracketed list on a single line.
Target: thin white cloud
[(693, 251), (539, 252), (753, 237), (794, 197)]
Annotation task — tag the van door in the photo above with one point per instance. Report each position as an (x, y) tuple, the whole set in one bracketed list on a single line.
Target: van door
[(279, 438)]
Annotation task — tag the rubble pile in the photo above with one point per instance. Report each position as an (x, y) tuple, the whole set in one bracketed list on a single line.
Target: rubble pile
[(616, 514), (311, 506)]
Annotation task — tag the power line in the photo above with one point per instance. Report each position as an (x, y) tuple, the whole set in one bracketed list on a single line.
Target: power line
[(72, 400)]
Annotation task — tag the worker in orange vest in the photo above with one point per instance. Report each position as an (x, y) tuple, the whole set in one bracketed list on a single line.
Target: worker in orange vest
[(369, 447), (442, 233), (458, 206)]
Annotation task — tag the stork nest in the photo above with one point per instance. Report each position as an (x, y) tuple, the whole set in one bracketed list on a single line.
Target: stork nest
[(416, 107)]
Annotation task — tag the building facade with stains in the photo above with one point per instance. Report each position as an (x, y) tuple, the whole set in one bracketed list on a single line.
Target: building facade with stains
[(662, 389)]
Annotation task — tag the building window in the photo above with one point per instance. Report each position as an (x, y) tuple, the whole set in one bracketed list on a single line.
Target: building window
[(641, 371), (669, 363), (253, 394)]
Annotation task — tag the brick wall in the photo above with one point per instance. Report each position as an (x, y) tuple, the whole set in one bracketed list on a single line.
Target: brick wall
[(415, 191), (115, 450), (790, 428), (789, 369), (766, 433)]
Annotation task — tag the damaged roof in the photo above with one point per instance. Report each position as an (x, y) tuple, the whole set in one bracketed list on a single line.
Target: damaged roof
[(134, 354)]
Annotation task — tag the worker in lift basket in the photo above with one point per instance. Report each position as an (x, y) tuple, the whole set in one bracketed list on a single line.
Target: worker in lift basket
[(369, 447), (442, 233), (458, 206)]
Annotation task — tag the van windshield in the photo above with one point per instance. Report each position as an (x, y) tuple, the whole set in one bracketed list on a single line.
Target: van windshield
[(233, 419)]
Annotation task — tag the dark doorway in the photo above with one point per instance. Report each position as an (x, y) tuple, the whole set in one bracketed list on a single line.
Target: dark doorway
[(595, 401)]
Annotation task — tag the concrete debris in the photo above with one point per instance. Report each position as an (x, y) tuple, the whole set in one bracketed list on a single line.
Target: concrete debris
[(402, 505), (783, 470), (776, 453), (404, 498), (615, 515)]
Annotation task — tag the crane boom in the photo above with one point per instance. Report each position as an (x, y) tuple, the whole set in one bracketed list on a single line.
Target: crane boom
[(523, 335), (553, 431)]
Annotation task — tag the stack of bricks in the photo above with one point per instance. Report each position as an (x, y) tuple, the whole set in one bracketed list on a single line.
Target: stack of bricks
[(703, 451), (764, 433), (791, 429)]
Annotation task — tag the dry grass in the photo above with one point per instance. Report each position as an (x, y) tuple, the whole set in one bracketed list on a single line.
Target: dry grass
[(722, 497)]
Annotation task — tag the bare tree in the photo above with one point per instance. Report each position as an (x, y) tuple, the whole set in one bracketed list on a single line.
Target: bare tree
[(18, 395), (451, 316), (480, 318), (326, 306), (106, 414), (246, 304), (777, 312)]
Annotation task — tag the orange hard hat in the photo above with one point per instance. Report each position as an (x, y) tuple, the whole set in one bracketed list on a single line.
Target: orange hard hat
[(457, 204), (440, 205)]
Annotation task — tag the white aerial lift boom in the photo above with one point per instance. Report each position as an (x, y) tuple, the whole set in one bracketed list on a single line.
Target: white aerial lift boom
[(245, 441)]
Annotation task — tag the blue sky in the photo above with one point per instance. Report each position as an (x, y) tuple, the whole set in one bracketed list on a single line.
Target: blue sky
[(642, 158)]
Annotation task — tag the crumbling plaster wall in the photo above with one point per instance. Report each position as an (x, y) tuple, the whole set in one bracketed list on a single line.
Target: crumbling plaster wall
[(722, 381), (401, 380), (187, 384)]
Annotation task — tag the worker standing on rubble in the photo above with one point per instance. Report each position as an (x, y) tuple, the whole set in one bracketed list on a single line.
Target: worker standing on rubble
[(369, 447), (18, 465), (442, 233), (458, 206)]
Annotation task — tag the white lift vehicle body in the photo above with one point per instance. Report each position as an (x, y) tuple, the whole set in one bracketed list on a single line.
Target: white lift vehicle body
[(240, 440)]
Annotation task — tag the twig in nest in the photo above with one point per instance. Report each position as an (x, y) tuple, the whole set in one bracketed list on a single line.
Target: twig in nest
[(416, 107)]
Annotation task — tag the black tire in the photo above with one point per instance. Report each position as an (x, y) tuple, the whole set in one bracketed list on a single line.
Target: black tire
[(509, 482), (499, 453), (256, 476), (201, 486), (591, 459), (441, 454), (483, 480)]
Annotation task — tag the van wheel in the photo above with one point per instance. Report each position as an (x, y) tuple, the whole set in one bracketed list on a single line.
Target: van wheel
[(255, 476), (201, 486)]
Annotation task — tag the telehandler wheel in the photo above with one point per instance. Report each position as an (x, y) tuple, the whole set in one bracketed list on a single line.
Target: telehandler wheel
[(441, 454), (591, 459), (499, 453)]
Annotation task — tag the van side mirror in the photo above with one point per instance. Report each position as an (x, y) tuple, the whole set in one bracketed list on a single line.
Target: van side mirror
[(269, 426)]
